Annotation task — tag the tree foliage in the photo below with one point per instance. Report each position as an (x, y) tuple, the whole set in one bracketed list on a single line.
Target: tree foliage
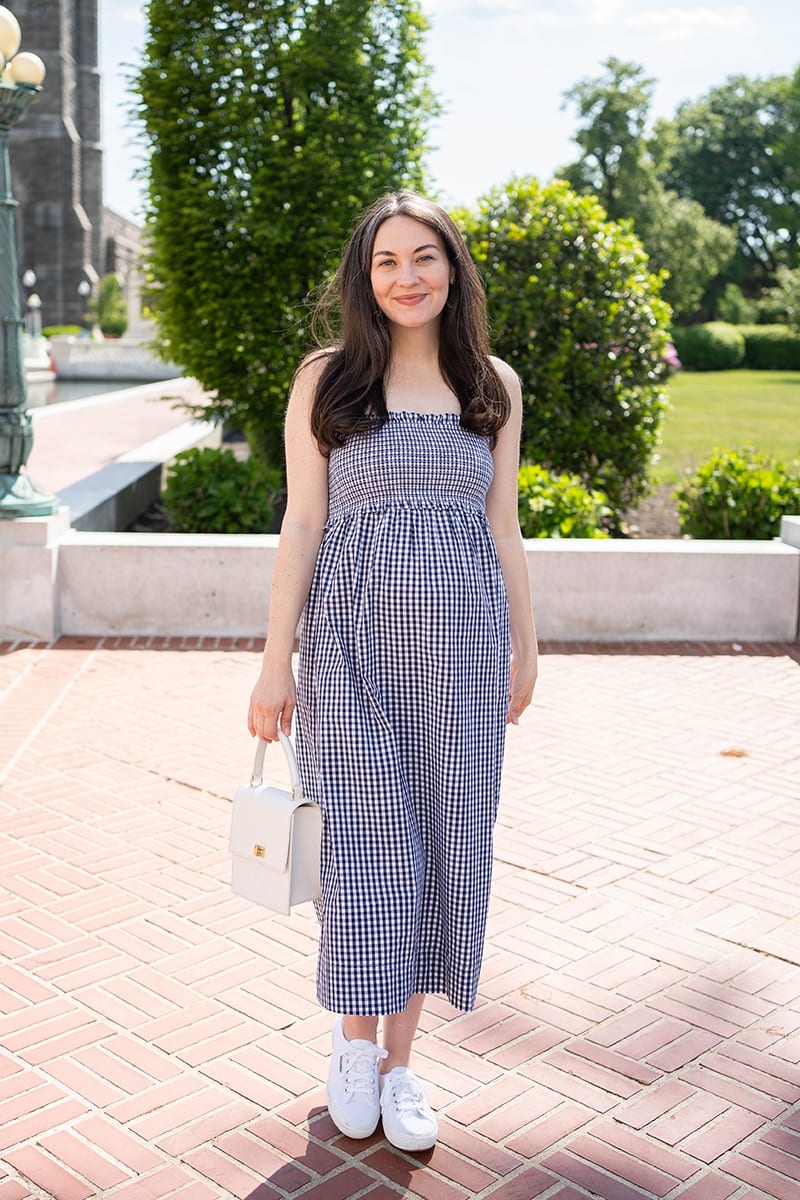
[(613, 109), (108, 308), (269, 127), (618, 167), (575, 310), (736, 151)]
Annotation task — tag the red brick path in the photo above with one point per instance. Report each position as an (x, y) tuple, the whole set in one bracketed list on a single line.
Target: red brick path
[(638, 1032)]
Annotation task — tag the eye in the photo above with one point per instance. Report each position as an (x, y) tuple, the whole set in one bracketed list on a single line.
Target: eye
[(425, 258), (386, 262)]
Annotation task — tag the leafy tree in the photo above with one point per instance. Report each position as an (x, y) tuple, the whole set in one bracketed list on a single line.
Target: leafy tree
[(576, 312), (269, 127), (614, 163), (108, 308), (617, 166), (788, 290), (736, 151), (680, 239)]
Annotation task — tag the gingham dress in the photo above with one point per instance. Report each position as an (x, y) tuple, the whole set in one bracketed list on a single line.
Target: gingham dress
[(402, 699)]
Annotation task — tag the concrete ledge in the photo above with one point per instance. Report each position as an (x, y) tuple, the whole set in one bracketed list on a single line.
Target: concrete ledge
[(665, 590), (790, 531), (113, 497), (164, 584), (29, 585), (176, 584)]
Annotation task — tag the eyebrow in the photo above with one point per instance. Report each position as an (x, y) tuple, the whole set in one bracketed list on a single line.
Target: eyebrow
[(427, 246)]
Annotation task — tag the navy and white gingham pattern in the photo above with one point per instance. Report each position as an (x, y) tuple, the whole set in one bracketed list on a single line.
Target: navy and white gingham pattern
[(402, 698)]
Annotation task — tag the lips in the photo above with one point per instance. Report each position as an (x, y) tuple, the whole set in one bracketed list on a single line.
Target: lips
[(409, 300)]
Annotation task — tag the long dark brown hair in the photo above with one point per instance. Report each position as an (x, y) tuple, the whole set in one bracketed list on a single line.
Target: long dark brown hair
[(356, 341)]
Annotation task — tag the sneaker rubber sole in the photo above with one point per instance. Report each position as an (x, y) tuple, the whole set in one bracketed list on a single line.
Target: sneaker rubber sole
[(346, 1127)]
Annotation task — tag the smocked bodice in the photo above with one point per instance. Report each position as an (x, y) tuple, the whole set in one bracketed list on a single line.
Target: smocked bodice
[(415, 460)]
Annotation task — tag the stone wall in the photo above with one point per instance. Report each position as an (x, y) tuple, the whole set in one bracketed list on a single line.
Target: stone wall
[(57, 163)]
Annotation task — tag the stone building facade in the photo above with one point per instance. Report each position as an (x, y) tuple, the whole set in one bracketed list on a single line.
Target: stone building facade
[(66, 236)]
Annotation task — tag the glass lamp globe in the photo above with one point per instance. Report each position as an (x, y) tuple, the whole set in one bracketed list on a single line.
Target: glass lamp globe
[(10, 33), (27, 68)]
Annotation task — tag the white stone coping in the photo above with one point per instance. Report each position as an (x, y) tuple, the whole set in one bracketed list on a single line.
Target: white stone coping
[(57, 580)]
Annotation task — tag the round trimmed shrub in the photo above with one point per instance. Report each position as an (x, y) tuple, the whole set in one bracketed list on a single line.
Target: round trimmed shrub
[(715, 346), (576, 311), (771, 348), (737, 494), (559, 506), (212, 491)]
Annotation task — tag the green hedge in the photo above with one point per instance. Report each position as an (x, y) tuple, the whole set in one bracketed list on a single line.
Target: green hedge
[(712, 347), (62, 331), (737, 494), (718, 346), (558, 505), (771, 348), (213, 491)]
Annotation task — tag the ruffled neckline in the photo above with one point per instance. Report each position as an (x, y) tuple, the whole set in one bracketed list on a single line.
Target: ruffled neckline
[(432, 416)]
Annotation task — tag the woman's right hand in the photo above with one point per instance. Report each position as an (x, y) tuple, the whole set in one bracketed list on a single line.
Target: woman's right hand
[(274, 697)]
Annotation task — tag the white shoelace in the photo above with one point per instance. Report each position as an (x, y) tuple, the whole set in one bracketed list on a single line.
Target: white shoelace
[(408, 1096), (359, 1069)]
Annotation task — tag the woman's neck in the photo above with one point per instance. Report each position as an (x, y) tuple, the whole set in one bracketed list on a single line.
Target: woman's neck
[(414, 379), (416, 349)]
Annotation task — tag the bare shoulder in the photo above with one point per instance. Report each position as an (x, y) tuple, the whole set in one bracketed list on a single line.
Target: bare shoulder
[(306, 378), (311, 368), (509, 378)]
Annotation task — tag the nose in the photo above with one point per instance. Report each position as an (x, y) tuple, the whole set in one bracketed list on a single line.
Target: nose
[(408, 273)]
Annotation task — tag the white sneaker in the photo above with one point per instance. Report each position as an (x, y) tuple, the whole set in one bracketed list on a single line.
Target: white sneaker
[(353, 1093), (408, 1120)]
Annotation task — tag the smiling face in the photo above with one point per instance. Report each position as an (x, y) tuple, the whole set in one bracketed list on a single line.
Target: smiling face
[(410, 272)]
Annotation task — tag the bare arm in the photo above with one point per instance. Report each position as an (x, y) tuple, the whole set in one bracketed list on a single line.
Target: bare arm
[(501, 507), (274, 695)]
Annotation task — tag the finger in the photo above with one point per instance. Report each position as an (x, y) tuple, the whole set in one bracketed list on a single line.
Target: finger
[(266, 726), (286, 717)]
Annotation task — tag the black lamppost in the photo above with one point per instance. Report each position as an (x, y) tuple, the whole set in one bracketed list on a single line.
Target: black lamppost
[(20, 83)]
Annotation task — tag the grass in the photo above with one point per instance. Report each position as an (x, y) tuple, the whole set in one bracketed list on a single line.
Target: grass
[(712, 410)]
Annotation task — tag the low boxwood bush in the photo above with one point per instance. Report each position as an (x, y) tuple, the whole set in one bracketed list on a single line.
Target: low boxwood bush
[(213, 491), (62, 331), (715, 346), (737, 494), (771, 348), (553, 505)]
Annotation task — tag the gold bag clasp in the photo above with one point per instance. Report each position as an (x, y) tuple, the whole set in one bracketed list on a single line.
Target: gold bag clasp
[(259, 851)]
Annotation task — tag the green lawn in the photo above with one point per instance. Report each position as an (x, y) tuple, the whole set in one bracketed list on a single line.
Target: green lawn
[(727, 409)]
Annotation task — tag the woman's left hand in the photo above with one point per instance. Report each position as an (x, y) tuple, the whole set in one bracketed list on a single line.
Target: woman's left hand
[(523, 681)]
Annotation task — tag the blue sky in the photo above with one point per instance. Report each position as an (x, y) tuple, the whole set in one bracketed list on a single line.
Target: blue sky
[(501, 68)]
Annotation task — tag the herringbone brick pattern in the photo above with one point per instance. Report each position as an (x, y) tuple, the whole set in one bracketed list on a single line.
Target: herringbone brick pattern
[(638, 1031)]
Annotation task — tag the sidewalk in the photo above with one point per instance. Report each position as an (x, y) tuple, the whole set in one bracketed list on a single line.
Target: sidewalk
[(73, 440), (638, 1028)]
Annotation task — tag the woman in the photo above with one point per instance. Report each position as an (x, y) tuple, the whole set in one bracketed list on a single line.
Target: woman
[(401, 547)]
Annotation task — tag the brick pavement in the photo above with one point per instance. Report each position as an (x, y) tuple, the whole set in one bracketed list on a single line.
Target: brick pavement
[(638, 1030)]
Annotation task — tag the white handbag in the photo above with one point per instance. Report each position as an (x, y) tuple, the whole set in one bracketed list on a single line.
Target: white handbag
[(275, 839)]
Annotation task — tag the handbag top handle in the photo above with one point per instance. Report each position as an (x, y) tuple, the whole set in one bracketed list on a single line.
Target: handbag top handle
[(288, 750)]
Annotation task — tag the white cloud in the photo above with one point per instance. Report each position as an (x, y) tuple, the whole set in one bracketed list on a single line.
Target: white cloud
[(507, 14), (675, 24), (519, 17)]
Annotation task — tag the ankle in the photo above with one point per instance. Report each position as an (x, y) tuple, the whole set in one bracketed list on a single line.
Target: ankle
[(394, 1060), (364, 1029)]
